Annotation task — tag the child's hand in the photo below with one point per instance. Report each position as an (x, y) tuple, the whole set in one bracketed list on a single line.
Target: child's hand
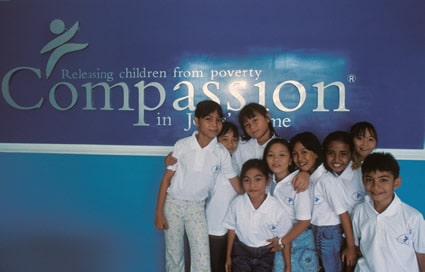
[(274, 244), (170, 160), (161, 222), (356, 165), (301, 181), (228, 264), (349, 256)]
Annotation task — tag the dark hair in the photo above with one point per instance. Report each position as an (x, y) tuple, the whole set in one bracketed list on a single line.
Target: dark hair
[(207, 107), (249, 111), (254, 163), (360, 128), (382, 162), (229, 126), (340, 136), (310, 142), (270, 144)]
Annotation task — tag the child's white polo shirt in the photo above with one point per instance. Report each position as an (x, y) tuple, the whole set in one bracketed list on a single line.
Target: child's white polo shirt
[(217, 204), (249, 149), (254, 226), (353, 187), (328, 201), (314, 177), (388, 240), (297, 205), (197, 168)]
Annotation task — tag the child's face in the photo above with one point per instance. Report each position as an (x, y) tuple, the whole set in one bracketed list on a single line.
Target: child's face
[(304, 158), (364, 144), (338, 156), (254, 183), (209, 126), (278, 159), (380, 186), (258, 127), (229, 141)]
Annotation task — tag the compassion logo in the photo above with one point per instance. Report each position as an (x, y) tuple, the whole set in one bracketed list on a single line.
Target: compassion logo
[(286, 83)]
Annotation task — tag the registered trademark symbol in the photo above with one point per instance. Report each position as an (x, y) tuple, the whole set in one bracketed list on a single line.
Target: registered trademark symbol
[(351, 78)]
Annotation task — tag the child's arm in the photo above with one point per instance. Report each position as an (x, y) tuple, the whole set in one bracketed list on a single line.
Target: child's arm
[(348, 255), (169, 159), (160, 220), (301, 181), (296, 230), (236, 185), (230, 239), (286, 252), (421, 261)]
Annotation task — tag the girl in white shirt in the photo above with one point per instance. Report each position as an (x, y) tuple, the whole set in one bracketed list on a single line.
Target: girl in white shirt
[(331, 222), (252, 219), (258, 130), (218, 202), (297, 205), (185, 186), (365, 139)]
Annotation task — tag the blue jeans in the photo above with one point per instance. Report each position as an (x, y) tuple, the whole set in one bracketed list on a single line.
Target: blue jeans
[(303, 254), (329, 242)]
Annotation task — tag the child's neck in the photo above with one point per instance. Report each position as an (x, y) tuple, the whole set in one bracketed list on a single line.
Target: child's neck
[(279, 176), (380, 207), (202, 140), (262, 140), (256, 202)]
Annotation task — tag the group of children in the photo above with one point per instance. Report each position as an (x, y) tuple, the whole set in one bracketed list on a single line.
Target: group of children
[(268, 204)]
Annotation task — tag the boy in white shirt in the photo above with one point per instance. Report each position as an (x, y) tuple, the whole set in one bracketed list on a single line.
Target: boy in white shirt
[(390, 233)]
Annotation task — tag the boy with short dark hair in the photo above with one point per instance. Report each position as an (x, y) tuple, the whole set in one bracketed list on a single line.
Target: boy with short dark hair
[(390, 233)]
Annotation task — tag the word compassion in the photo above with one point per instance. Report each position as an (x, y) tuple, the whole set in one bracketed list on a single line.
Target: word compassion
[(183, 94)]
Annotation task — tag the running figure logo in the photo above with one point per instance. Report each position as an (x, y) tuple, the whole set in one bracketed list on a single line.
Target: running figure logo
[(59, 45)]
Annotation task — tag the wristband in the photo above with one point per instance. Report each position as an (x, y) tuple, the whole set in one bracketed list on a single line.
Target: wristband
[(282, 246)]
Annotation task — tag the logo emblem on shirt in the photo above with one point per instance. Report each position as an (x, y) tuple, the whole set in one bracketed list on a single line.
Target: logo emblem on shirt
[(289, 200), (404, 239), (317, 200), (216, 168), (358, 196)]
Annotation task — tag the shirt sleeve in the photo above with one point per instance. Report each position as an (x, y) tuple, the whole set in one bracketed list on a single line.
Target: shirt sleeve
[(176, 153), (303, 205), (237, 158), (334, 196), (229, 221), (355, 223), (419, 234), (285, 224), (228, 166)]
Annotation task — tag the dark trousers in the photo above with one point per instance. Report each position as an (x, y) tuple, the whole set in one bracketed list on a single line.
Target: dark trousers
[(218, 247), (254, 259)]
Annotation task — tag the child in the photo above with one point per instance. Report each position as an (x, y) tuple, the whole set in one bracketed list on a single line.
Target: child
[(390, 233), (252, 219), (365, 139), (258, 130), (185, 186), (307, 155), (330, 217), (297, 205), (218, 202)]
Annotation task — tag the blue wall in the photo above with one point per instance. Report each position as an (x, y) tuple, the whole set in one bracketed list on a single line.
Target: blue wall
[(95, 212)]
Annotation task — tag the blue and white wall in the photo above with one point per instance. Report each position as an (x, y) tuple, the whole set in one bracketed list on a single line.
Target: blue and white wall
[(93, 95)]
